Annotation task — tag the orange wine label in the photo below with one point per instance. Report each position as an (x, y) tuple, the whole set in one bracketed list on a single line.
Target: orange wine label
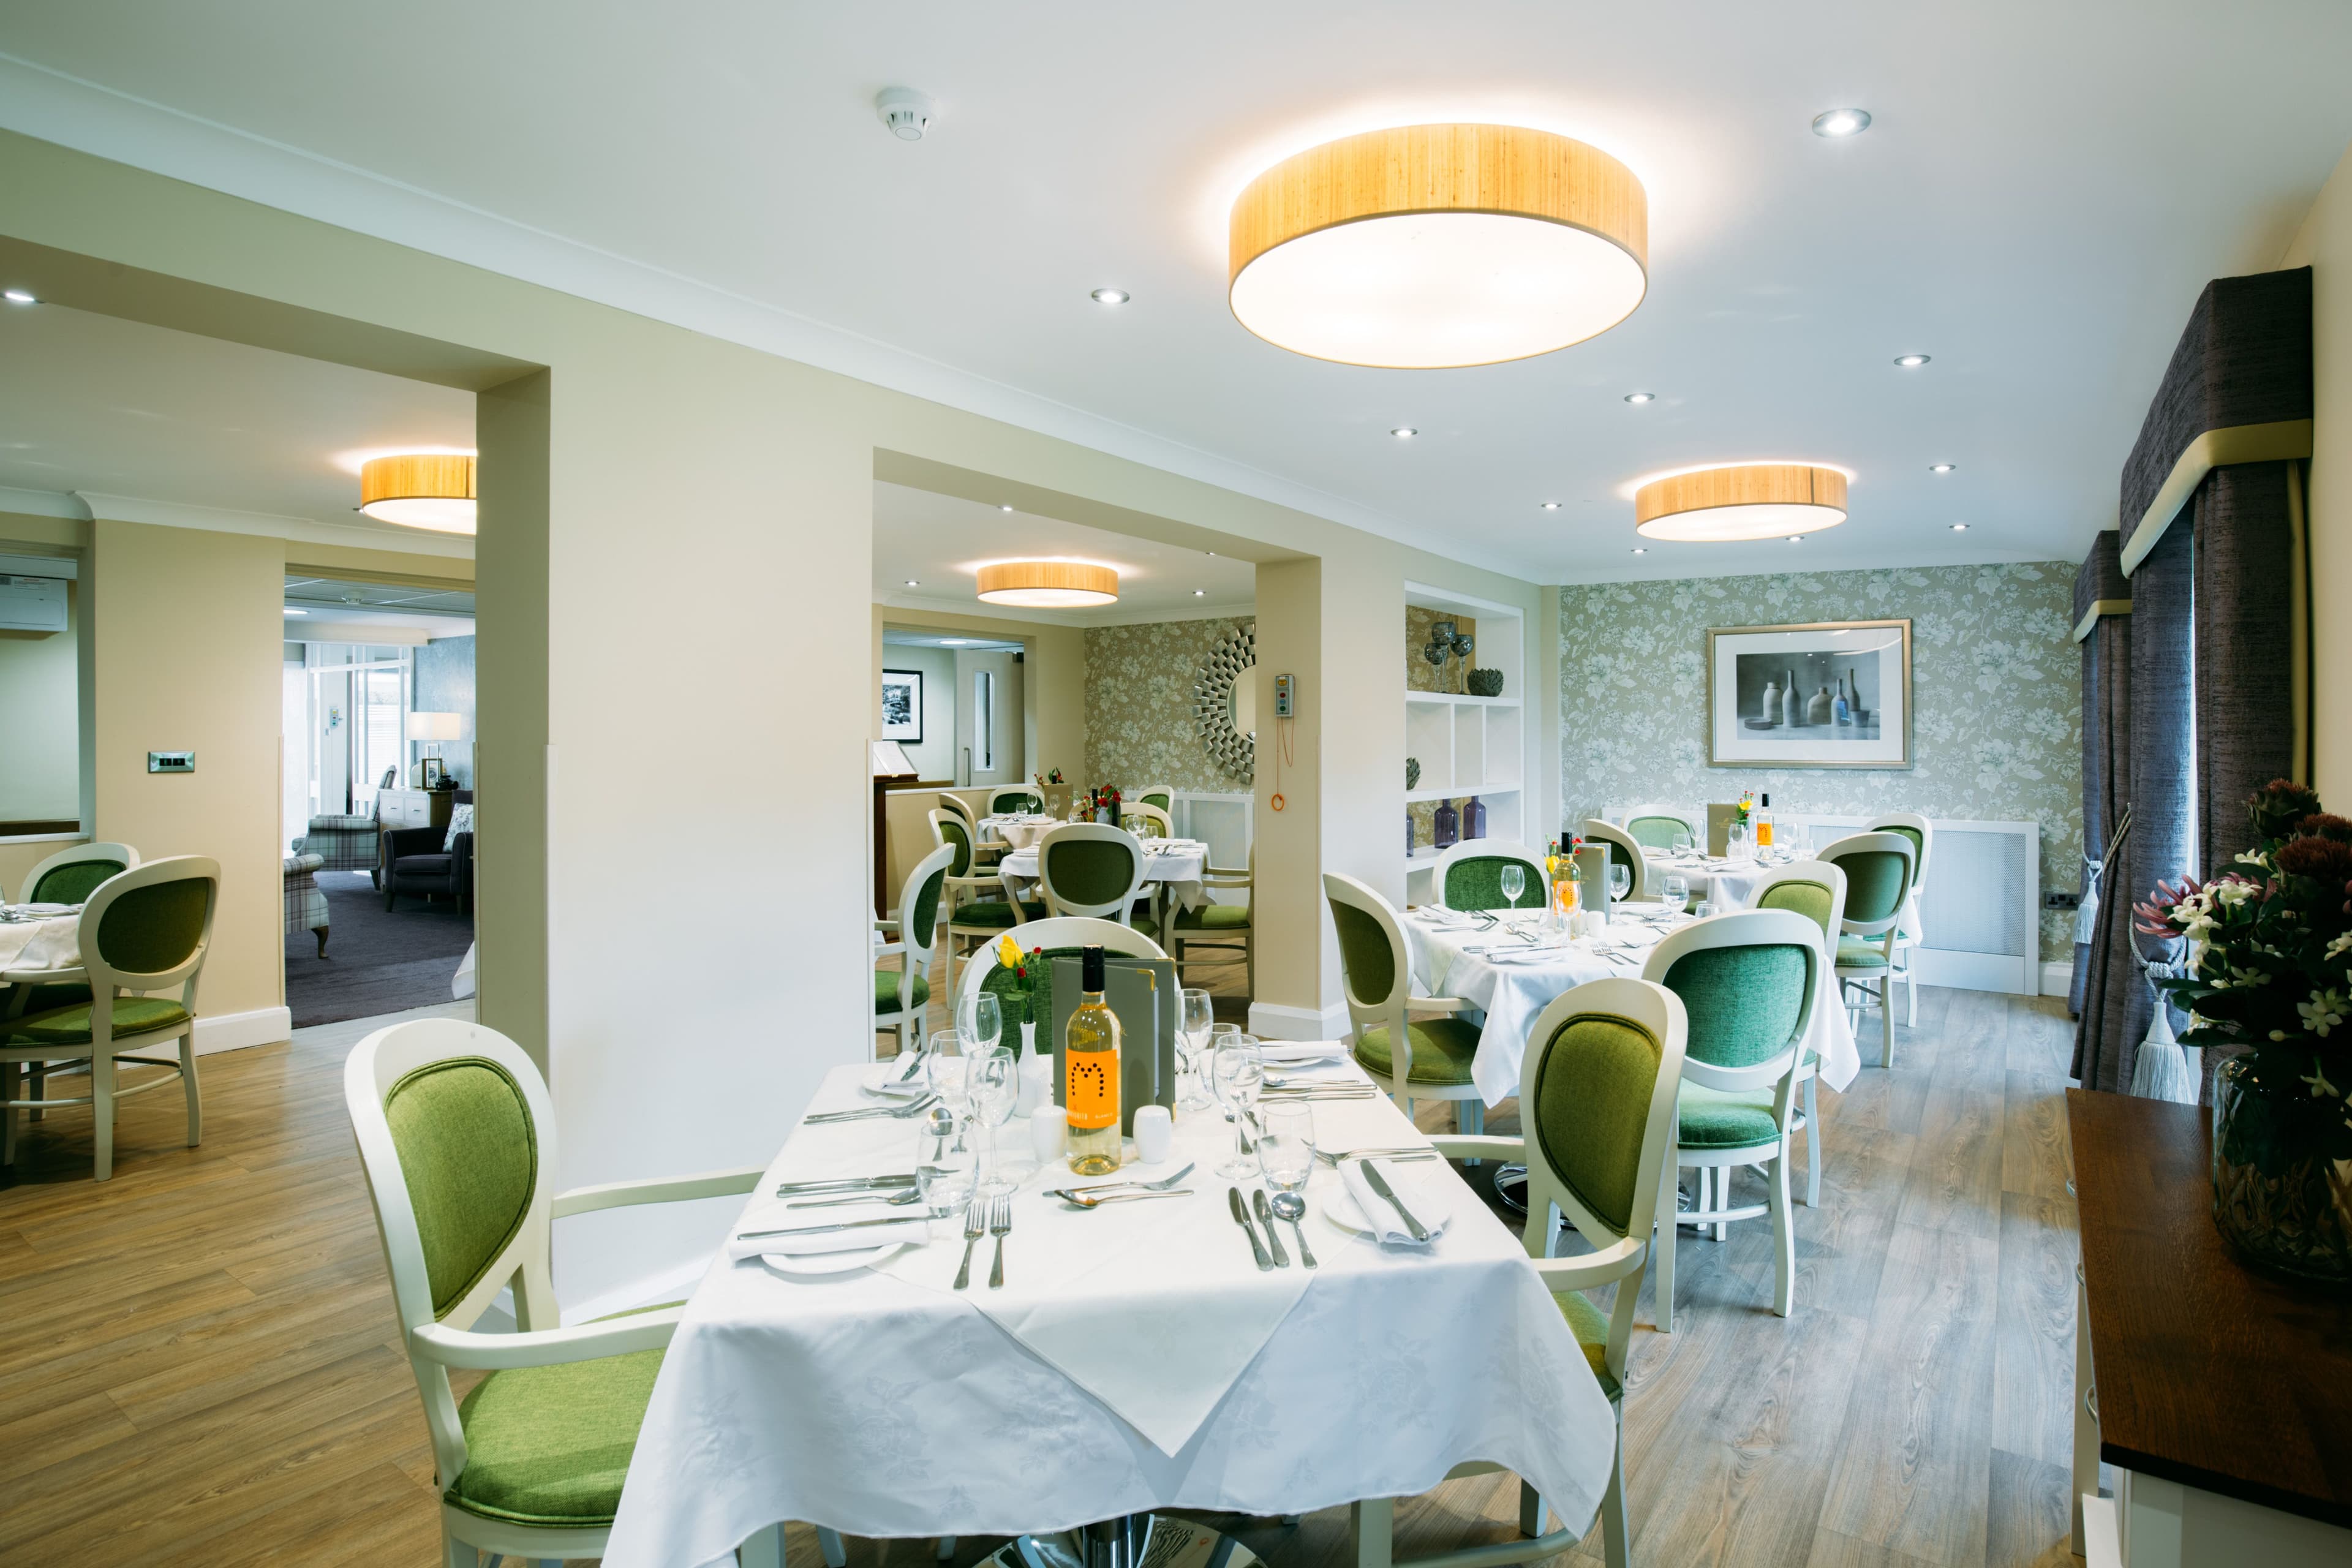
[(1091, 1087)]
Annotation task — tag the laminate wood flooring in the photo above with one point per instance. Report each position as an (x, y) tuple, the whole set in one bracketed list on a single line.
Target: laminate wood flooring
[(199, 1364)]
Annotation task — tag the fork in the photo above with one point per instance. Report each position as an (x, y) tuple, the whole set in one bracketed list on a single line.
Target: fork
[(1415, 1151), (875, 1113), (1000, 1226), (975, 1226)]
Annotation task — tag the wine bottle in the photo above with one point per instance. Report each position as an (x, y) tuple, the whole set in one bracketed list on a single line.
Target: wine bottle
[(1090, 1086), (1763, 816)]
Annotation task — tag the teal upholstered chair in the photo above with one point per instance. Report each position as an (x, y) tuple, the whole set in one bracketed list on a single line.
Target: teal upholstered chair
[(1815, 889), (1879, 869), (978, 905), (1468, 875), (901, 994), (457, 1137), (1748, 982), (1622, 851), (1597, 1092), (1922, 833), (1089, 869), (1417, 1047), (1218, 927), (1014, 798), (1655, 827), (142, 930)]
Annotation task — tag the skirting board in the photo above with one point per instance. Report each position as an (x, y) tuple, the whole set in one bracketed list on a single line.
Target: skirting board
[(1270, 1021), (2058, 979), (234, 1031)]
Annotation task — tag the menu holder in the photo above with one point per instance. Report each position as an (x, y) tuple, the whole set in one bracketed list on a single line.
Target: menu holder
[(1592, 875), (1143, 994), (1720, 819)]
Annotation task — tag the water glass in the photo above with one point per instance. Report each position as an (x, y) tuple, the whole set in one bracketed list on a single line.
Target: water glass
[(1703, 909), (1199, 1017), (993, 1084), (1674, 887), (1286, 1148), (1736, 842), (1682, 845), (947, 1168), (946, 1064), (1513, 879), (1239, 1074)]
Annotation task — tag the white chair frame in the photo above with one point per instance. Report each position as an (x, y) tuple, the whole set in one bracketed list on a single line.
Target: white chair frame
[(913, 960), (1809, 1066), (1539, 880), (1101, 832), (1906, 934), (1391, 1012), (1032, 798), (969, 889), (1175, 939), (106, 1050), (1614, 1260), (1741, 928), (1672, 813), (1881, 975), (1596, 831), (70, 855), (435, 1343), (982, 846)]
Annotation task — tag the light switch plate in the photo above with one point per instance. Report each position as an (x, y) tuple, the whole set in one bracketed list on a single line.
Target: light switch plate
[(170, 762)]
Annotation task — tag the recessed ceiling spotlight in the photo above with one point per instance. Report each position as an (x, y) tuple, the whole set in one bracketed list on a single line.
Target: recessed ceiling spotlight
[(1641, 398), (1796, 539), (292, 611), (1405, 432), (912, 584), (1004, 506), (19, 297), (1941, 468), (1959, 527), (1912, 362), (1551, 506), (1841, 122), (1641, 550), (1109, 296), (1200, 592)]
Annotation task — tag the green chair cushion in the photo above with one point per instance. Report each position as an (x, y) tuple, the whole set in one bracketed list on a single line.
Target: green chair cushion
[(1365, 956), (1656, 832), (1810, 900), (994, 914), (469, 1156), (1442, 1051), (1590, 1327), (1743, 1002), (1088, 872), (1214, 916), (70, 1025), (1853, 952), (1002, 984), (886, 992), (1877, 882), (49, 998), (154, 929), (73, 883), (1590, 1107), (550, 1444), (1719, 1119), (1475, 882)]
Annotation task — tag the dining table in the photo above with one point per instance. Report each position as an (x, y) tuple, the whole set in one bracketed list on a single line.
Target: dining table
[(1021, 829), (1178, 865), (1137, 1357), (40, 937), (1511, 967)]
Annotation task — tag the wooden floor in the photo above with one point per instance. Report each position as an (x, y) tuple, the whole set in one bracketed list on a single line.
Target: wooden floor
[(198, 1364)]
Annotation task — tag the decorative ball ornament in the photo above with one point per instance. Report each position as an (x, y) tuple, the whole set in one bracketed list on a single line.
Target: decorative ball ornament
[(1234, 657)]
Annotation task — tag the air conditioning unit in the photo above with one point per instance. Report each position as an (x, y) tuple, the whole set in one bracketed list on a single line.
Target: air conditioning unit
[(32, 603)]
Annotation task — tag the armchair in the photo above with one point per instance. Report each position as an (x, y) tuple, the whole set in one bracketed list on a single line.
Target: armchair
[(426, 861)]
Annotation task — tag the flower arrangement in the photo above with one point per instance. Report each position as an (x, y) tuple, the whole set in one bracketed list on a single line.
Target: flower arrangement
[(1023, 985)]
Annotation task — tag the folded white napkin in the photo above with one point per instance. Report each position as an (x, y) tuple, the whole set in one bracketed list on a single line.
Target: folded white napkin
[(1444, 919), (1422, 1186), (862, 1236), (1295, 1053), (44, 912), (882, 1078)]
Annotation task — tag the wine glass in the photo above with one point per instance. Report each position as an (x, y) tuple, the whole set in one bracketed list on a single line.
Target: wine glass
[(983, 1024), (946, 1173), (993, 1084), (1200, 1018), (1285, 1150), (1513, 879), (1682, 845), (1621, 881), (947, 1065), (1239, 1074)]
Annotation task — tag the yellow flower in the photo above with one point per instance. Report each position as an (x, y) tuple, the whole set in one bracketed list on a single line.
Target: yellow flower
[(1008, 952)]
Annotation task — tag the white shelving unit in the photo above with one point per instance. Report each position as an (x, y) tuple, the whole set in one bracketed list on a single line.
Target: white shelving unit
[(1470, 745)]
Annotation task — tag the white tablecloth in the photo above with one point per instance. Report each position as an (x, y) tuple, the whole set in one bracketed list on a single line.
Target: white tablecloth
[(41, 944), (1511, 994), (1731, 883), (1179, 866), (883, 1406), (1021, 832)]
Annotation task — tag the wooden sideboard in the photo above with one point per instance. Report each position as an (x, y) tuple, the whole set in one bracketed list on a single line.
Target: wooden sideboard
[(2222, 1396)]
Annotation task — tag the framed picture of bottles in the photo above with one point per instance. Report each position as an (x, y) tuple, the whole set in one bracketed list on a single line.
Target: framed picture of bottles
[(1834, 694)]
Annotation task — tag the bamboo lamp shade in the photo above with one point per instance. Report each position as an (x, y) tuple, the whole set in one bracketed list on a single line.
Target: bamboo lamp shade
[(1748, 500), (420, 489), (1049, 585), (1429, 246)]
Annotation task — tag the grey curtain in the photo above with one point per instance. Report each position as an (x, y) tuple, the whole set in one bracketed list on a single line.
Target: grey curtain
[(2107, 727), (2245, 614)]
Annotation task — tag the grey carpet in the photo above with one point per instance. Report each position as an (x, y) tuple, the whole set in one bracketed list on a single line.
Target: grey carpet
[(376, 962)]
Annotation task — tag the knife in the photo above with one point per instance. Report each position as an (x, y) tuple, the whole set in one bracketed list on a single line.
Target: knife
[(844, 1184), (1266, 1218), (1380, 1184), (821, 1229), (1241, 1217)]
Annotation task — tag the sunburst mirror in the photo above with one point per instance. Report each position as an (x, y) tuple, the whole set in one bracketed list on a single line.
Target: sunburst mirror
[(1224, 704)]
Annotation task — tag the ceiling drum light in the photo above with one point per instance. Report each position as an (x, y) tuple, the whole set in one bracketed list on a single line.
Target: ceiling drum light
[(420, 489), (1841, 122), (1109, 296), (1433, 247), (1049, 585), (1746, 500), (1912, 362)]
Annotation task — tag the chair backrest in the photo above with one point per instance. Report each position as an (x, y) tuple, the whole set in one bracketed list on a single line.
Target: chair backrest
[(1916, 828), (1748, 980), (457, 1137), (1044, 940), (951, 830), (1375, 966), (1150, 820), (1468, 875), (1878, 867), (1655, 826), (1813, 888), (1162, 795), (1622, 851), (1015, 797), (949, 801), (918, 904), (71, 875), (1089, 869), (149, 929)]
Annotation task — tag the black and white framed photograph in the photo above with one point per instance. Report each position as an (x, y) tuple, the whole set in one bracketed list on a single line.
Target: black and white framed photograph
[(1832, 694), (902, 705)]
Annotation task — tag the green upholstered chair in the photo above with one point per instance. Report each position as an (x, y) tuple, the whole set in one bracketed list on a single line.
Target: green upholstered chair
[(457, 1137), (1748, 982), (1654, 828), (1622, 851), (1089, 869), (1468, 876), (986, 851), (1597, 1091), (1218, 927), (901, 995), (1151, 821), (142, 930), (1058, 936), (1417, 1047), (68, 876), (980, 904), (1014, 798), (1879, 869), (1922, 833), (1815, 889), (1160, 796)]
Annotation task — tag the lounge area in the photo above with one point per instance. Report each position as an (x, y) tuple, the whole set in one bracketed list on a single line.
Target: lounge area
[(703, 731)]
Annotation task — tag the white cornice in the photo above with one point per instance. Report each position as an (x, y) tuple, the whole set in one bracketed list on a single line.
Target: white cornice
[(915, 604), (43, 503), (37, 102), (269, 525)]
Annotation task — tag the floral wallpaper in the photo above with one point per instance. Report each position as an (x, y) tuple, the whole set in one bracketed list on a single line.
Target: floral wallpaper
[(1140, 727), (1419, 675), (1996, 700)]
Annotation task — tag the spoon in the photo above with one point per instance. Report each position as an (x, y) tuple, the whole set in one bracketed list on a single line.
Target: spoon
[(895, 1200), (1292, 1207), (1079, 1198)]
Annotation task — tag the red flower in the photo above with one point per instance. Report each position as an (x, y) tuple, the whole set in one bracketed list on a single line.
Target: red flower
[(2326, 824), (2323, 859)]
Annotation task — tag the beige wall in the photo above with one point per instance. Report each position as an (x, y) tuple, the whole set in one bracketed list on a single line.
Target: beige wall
[(2325, 245), (40, 755)]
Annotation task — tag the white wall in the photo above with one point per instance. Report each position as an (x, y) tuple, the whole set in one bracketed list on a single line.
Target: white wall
[(936, 757), (2326, 247), (40, 721)]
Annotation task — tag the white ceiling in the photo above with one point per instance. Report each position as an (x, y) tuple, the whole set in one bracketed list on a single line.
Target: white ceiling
[(2045, 190), (93, 404), (941, 542), (328, 604)]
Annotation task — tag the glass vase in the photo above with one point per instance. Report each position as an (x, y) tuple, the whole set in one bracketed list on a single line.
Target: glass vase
[(2279, 1198)]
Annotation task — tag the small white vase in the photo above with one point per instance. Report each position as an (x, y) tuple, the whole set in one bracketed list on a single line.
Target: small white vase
[(1036, 1075)]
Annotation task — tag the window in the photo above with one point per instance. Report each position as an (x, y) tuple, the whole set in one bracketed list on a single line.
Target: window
[(983, 719)]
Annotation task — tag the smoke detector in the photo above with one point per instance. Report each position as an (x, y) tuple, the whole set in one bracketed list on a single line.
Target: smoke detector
[(904, 111)]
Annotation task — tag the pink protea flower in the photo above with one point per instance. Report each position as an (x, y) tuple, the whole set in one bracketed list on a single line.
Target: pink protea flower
[(2153, 918)]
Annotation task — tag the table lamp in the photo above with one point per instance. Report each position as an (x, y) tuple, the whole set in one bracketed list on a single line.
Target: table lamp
[(434, 729)]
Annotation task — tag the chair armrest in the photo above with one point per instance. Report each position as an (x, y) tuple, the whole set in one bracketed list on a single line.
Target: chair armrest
[(44, 977), (1470, 1146), (658, 1190), (546, 1347), (889, 927), (1611, 1264), (1436, 1004), (890, 950), (400, 841)]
